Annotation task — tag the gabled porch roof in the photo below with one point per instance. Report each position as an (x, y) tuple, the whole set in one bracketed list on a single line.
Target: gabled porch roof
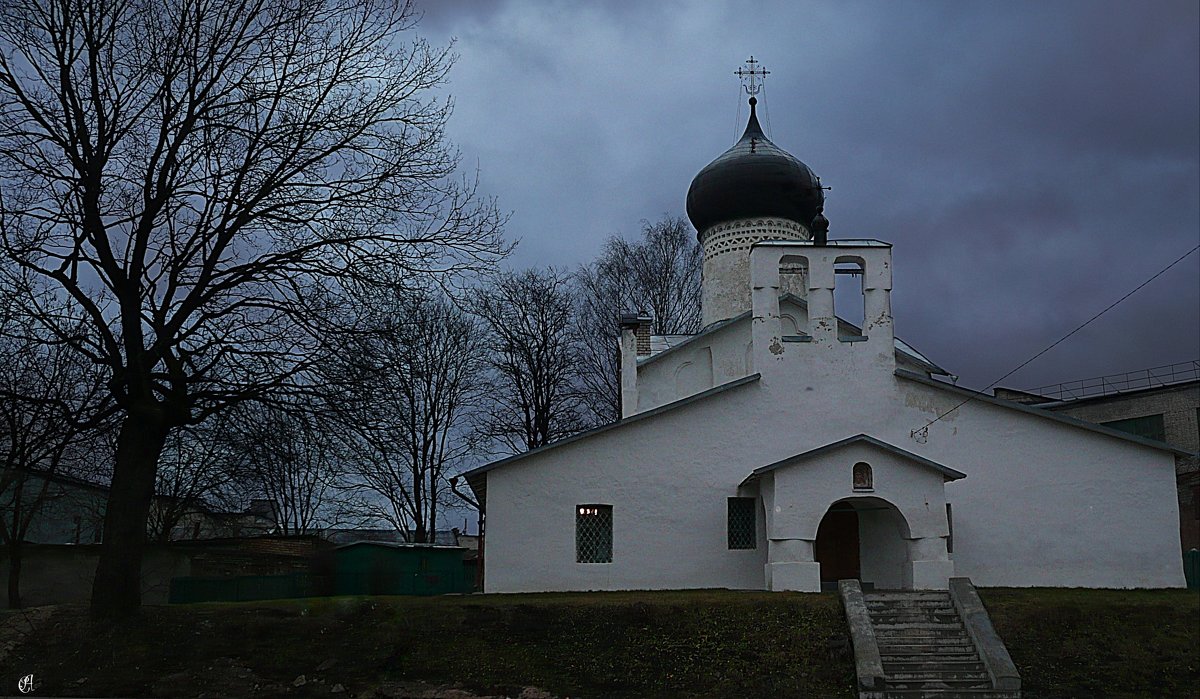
[(948, 473)]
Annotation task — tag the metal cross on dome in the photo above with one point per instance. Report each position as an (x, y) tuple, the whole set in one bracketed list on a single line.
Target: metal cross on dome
[(752, 76)]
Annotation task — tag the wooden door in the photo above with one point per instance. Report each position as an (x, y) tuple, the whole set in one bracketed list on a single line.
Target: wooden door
[(837, 544)]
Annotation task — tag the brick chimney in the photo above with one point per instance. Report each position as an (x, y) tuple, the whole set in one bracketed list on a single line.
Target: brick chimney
[(635, 342), (641, 328)]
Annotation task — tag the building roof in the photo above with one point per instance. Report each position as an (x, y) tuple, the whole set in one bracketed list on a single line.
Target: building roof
[(1056, 404), (476, 477), (836, 243), (1039, 411), (400, 545), (947, 472), (393, 536)]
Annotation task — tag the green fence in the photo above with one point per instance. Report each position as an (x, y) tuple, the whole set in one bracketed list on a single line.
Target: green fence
[(246, 588), (374, 583), (363, 568), (1191, 568)]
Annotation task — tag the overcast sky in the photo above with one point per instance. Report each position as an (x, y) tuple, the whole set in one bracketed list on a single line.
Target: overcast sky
[(1030, 162)]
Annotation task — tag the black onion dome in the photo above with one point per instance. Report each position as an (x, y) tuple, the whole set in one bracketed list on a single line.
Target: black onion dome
[(754, 178)]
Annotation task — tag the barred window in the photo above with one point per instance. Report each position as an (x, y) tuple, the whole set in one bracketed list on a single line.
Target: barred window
[(743, 534), (593, 534)]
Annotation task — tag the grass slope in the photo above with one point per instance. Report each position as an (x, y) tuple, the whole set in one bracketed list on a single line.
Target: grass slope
[(650, 644), (1065, 643), (1100, 643)]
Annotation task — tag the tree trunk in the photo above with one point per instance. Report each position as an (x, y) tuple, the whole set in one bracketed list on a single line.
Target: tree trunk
[(14, 574), (117, 590)]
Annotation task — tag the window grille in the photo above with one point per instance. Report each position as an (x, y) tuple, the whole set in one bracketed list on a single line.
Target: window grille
[(593, 534), (743, 532)]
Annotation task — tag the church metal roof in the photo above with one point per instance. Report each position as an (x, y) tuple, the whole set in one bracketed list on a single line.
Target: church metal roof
[(754, 178), (476, 478), (1038, 411)]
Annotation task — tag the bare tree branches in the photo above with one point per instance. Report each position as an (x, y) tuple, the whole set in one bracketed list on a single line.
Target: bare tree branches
[(199, 469), (533, 357), (199, 178), (46, 393), (659, 275), (415, 382), (293, 459)]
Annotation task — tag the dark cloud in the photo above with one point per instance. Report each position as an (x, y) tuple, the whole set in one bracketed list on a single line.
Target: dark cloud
[(1031, 162)]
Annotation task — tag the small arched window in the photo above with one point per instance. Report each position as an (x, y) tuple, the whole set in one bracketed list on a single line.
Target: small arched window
[(862, 476)]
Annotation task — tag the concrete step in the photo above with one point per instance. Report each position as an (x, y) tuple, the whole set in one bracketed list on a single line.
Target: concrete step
[(938, 684), (949, 694), (949, 662), (979, 678), (929, 626), (919, 638), (927, 651), (937, 667), (920, 607), (907, 596), (901, 617), (923, 638)]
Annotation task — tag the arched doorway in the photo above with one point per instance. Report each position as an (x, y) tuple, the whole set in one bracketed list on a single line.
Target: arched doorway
[(837, 546), (864, 538)]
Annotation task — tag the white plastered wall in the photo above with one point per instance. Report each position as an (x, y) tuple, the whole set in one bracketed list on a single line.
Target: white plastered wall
[(882, 561), (1043, 503), (803, 492), (669, 507)]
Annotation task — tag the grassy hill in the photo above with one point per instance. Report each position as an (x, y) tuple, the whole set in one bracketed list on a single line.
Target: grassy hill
[(636, 644)]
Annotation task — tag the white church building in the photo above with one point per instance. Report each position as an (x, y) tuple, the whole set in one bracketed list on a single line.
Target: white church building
[(783, 448)]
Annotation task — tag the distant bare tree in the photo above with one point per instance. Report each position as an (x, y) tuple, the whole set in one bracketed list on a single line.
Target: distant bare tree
[(47, 395), (199, 177), (533, 358), (415, 384), (294, 459), (658, 274), (198, 470)]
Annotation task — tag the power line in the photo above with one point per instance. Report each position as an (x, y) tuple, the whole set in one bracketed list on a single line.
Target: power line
[(737, 119), (767, 109), (924, 431)]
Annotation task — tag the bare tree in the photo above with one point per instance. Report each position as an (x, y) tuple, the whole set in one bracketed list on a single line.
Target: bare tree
[(293, 459), (199, 469), (199, 177), (658, 274), (415, 381), (44, 389), (533, 356)]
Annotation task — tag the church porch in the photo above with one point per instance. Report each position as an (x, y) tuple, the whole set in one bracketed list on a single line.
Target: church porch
[(856, 509)]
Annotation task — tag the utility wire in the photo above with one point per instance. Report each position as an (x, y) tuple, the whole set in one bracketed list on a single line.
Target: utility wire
[(924, 431), (766, 108), (737, 119)]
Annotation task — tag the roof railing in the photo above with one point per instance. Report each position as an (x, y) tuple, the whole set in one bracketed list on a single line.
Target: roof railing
[(1153, 377)]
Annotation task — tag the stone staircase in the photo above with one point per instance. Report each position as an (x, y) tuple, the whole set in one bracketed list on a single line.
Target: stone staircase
[(925, 648)]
